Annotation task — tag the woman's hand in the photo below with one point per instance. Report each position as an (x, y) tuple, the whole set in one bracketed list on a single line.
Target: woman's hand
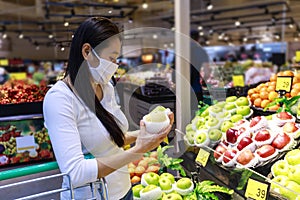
[(146, 142)]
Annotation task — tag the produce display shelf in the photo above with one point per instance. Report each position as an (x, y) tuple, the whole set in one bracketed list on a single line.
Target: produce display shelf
[(21, 109)]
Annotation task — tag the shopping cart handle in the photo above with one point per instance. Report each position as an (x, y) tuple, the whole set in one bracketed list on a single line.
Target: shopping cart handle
[(33, 169)]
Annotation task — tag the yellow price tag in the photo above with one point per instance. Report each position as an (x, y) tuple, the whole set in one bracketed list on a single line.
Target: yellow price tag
[(257, 190), (238, 80), (18, 75), (166, 140), (284, 83), (202, 157), (4, 62), (297, 56)]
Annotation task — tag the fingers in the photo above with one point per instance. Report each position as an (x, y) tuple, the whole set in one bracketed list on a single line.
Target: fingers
[(171, 117)]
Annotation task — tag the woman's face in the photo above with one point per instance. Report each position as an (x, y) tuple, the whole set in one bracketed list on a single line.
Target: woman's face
[(110, 52)]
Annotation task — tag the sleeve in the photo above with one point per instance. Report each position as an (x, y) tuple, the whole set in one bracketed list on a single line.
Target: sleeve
[(59, 119)]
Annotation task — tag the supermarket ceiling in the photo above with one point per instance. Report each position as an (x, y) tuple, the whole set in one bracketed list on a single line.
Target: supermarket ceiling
[(52, 22)]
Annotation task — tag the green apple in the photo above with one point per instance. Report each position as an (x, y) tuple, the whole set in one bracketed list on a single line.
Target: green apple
[(190, 135), (215, 134), (205, 113), (172, 196), (231, 99), (212, 122), (291, 190), (230, 106), (168, 176), (165, 183), (151, 192), (223, 115), (150, 178), (242, 101), (201, 138), (216, 109), (293, 157), (280, 167), (243, 110), (236, 118), (159, 109), (226, 125), (189, 127), (294, 174), (191, 196), (184, 183), (136, 190), (184, 186), (281, 180), (221, 104)]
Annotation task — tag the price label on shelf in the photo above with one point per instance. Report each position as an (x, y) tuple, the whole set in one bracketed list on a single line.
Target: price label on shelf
[(202, 157), (257, 190), (284, 83), (238, 80), (18, 75), (297, 56)]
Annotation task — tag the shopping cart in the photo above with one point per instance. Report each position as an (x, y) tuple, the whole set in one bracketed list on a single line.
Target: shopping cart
[(98, 186)]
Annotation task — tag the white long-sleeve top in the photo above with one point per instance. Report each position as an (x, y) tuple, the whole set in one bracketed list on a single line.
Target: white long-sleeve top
[(74, 130)]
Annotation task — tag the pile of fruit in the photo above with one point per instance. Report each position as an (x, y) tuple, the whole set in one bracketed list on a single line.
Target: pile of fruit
[(286, 173), (20, 91), (265, 93), (208, 127), (253, 143), (165, 187), (146, 164), (8, 146)]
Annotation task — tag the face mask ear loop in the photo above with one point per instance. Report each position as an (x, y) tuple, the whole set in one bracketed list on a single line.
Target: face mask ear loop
[(95, 54)]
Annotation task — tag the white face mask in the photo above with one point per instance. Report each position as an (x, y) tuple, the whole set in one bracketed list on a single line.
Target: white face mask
[(104, 71)]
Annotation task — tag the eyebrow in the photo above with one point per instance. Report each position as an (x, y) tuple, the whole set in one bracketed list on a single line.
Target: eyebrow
[(115, 52)]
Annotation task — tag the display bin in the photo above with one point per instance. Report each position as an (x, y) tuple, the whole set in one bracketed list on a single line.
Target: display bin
[(24, 139), (21, 109)]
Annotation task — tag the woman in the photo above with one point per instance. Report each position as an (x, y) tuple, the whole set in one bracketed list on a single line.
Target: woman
[(82, 116)]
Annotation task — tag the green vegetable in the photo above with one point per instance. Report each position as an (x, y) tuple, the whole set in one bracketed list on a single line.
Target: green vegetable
[(169, 162), (285, 102)]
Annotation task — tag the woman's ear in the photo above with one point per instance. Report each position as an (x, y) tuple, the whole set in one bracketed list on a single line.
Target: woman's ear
[(86, 49)]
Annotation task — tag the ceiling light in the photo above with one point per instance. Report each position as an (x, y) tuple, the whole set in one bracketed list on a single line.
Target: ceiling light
[(211, 31), (21, 36), (72, 35), (226, 38), (257, 42), (66, 23), (110, 11), (220, 37), (237, 23), (209, 6), (130, 20), (200, 28), (62, 48), (245, 39), (291, 25), (4, 35), (296, 39), (277, 36), (201, 33), (154, 36), (230, 44), (207, 42), (172, 44), (166, 45), (50, 36), (173, 29), (144, 5), (37, 47)]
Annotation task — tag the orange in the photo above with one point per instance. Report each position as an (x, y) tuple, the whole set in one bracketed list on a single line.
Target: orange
[(273, 84), (254, 96), (264, 103), (294, 92), (296, 86), (263, 95), (288, 73), (257, 102), (271, 88), (273, 78), (280, 74), (296, 80), (264, 89), (250, 92), (288, 95), (273, 95), (297, 75), (274, 108)]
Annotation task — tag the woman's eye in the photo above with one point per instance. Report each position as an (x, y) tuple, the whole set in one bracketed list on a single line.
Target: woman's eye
[(113, 60)]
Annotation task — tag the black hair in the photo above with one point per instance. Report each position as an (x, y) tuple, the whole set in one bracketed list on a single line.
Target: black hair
[(94, 31)]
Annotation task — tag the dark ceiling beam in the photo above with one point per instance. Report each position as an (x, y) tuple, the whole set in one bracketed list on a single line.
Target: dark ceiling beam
[(102, 5)]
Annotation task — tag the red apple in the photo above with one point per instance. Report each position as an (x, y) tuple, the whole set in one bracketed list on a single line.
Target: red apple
[(245, 141), (290, 127), (232, 135), (281, 140), (245, 157), (255, 121), (240, 122), (284, 115), (220, 149), (265, 151), (229, 155), (262, 135)]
